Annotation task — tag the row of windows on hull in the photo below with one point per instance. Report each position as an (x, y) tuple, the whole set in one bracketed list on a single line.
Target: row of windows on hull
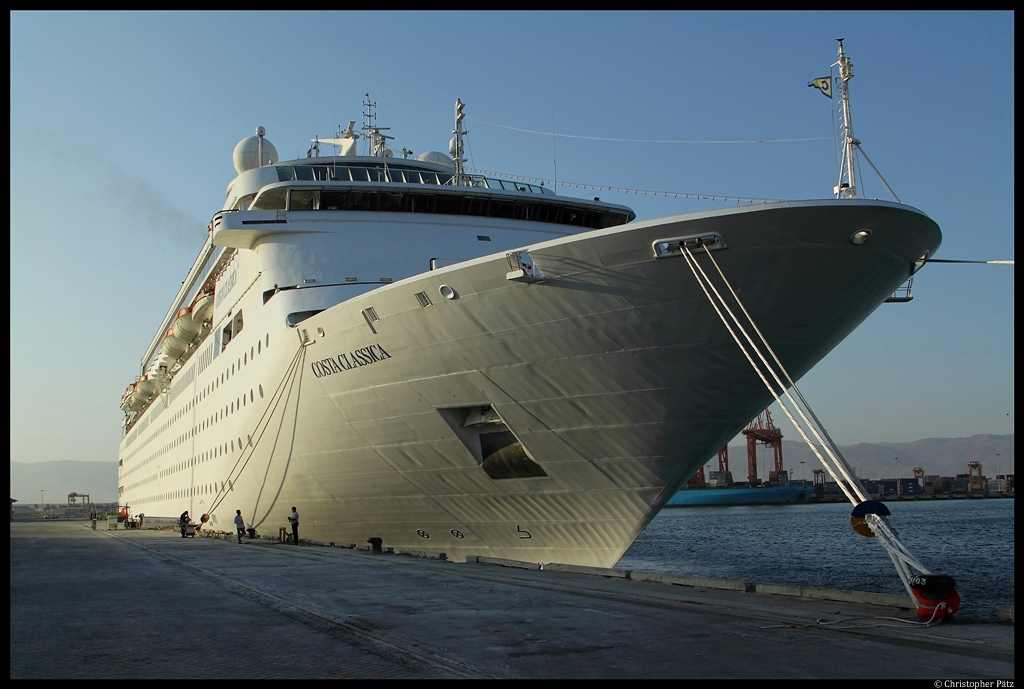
[(200, 395)]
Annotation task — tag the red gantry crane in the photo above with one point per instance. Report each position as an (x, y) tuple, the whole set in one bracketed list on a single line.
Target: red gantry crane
[(723, 459), (762, 430), (974, 472)]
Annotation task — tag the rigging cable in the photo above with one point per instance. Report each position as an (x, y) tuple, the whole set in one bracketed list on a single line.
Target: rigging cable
[(626, 190), (654, 141), (861, 149)]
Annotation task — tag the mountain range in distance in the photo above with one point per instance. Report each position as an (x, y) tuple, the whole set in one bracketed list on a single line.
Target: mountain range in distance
[(942, 456)]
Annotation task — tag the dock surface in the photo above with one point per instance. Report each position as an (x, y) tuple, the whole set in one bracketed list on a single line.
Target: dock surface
[(150, 604)]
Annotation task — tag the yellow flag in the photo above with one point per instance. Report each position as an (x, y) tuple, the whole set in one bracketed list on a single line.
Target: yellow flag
[(824, 84)]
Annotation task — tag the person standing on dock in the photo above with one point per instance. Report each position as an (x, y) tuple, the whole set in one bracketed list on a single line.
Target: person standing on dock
[(183, 521), (239, 525), (293, 519)]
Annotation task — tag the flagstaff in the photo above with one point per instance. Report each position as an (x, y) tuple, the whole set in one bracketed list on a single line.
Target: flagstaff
[(847, 187)]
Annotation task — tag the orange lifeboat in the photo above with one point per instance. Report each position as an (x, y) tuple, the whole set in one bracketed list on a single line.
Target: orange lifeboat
[(145, 386), (202, 306), (172, 346), (185, 329), (141, 392)]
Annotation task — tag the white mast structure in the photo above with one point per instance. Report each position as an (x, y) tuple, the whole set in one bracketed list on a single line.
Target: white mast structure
[(847, 187), (455, 146), (378, 141)]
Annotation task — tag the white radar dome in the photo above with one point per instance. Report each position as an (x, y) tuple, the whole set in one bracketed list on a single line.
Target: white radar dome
[(246, 153), (437, 158)]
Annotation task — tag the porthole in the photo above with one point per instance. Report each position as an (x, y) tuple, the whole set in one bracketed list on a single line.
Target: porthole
[(261, 391), (259, 346)]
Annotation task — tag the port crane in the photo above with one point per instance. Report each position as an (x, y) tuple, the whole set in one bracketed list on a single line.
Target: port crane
[(762, 430), (974, 474)]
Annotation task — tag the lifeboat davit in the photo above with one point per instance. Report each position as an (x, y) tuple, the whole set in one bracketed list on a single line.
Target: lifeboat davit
[(158, 371), (202, 307), (172, 346), (126, 398), (186, 329)]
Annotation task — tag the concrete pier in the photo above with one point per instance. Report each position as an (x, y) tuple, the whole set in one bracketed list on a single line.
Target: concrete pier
[(150, 604)]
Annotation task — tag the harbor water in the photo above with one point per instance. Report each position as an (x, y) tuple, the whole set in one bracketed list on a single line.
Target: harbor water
[(814, 545)]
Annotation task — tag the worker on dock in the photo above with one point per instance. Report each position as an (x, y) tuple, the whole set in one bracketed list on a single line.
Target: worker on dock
[(293, 519), (183, 521), (239, 525)]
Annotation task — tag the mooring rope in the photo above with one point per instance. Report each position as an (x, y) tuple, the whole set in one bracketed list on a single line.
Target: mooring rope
[(275, 399), (836, 465)]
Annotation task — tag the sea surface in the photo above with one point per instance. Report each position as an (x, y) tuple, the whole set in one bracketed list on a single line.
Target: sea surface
[(814, 545)]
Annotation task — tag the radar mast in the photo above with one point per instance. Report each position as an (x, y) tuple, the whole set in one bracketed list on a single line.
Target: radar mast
[(455, 148), (378, 141)]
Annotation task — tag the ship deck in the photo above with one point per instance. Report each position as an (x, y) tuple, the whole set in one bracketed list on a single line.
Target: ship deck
[(152, 604)]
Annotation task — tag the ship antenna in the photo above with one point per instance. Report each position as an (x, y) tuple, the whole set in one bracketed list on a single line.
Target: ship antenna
[(369, 118), (847, 187), (455, 146), (377, 141)]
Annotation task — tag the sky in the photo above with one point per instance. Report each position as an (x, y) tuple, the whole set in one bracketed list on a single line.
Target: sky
[(123, 125)]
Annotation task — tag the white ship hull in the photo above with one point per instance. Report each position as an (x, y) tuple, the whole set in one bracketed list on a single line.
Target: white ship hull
[(614, 375)]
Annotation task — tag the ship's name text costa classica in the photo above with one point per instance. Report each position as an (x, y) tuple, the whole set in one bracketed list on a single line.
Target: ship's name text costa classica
[(364, 356)]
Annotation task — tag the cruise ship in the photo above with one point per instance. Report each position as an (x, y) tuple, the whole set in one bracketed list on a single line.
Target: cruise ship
[(448, 361)]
